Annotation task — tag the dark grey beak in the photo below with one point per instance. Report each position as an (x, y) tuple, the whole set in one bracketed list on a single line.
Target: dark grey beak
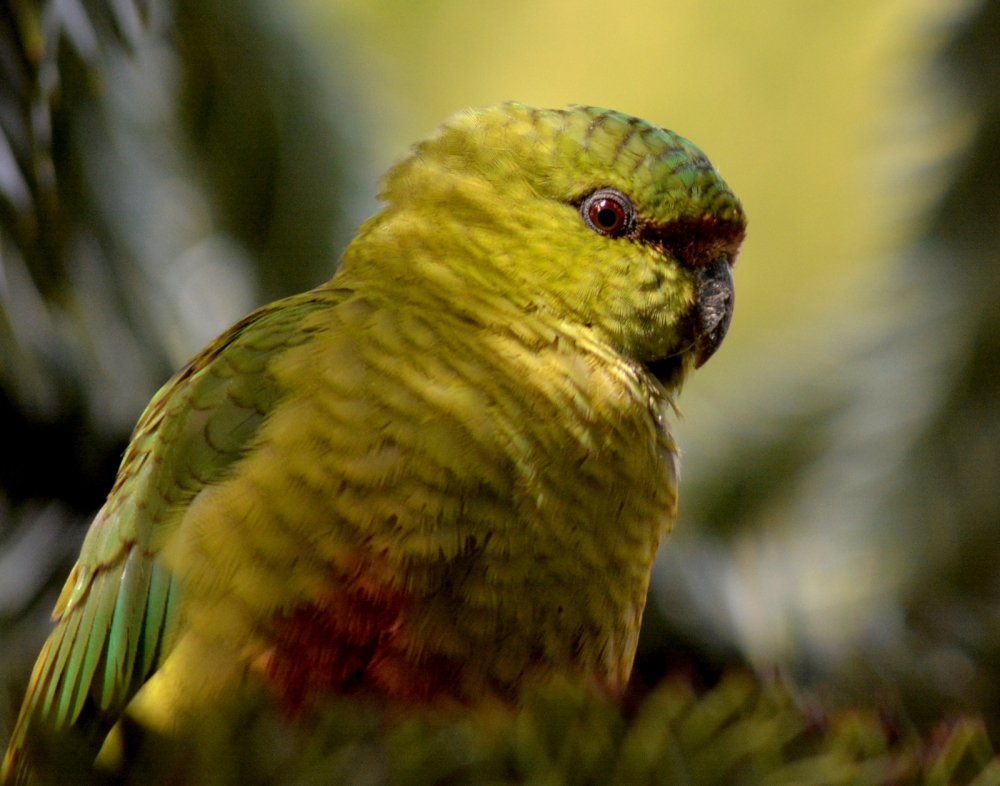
[(715, 308)]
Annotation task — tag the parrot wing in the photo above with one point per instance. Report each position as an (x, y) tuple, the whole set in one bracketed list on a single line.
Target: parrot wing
[(117, 613)]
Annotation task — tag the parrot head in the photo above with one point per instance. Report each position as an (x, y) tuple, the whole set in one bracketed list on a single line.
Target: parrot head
[(591, 215)]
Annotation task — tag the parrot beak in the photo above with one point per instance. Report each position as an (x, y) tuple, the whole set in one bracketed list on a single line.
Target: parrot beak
[(709, 322), (715, 308)]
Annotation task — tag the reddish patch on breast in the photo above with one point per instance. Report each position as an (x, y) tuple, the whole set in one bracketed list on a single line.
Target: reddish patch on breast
[(354, 638)]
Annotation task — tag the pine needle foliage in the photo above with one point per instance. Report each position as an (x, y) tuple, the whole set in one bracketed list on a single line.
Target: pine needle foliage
[(743, 731)]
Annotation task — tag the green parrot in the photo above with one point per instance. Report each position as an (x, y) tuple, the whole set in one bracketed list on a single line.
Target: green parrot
[(438, 477)]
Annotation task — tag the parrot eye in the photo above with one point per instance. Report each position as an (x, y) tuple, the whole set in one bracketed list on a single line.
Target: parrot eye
[(609, 212)]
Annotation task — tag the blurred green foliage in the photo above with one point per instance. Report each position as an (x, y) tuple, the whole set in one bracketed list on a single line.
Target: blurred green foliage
[(169, 168), (740, 732)]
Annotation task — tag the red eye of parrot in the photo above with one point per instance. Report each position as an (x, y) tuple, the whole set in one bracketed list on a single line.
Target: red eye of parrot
[(609, 212)]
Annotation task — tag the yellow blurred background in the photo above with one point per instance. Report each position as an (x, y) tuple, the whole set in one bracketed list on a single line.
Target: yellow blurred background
[(798, 104)]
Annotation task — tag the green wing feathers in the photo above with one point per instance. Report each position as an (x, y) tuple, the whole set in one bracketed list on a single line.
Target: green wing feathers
[(118, 613)]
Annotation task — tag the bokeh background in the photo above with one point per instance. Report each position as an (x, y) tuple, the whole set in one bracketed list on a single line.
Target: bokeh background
[(167, 165)]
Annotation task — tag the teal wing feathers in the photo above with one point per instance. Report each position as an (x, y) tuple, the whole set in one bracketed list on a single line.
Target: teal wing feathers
[(118, 612)]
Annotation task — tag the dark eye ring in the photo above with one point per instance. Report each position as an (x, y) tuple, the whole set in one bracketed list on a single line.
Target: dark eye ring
[(609, 212)]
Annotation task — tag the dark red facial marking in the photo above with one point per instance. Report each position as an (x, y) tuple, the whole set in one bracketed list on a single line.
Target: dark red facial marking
[(609, 212), (696, 242)]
